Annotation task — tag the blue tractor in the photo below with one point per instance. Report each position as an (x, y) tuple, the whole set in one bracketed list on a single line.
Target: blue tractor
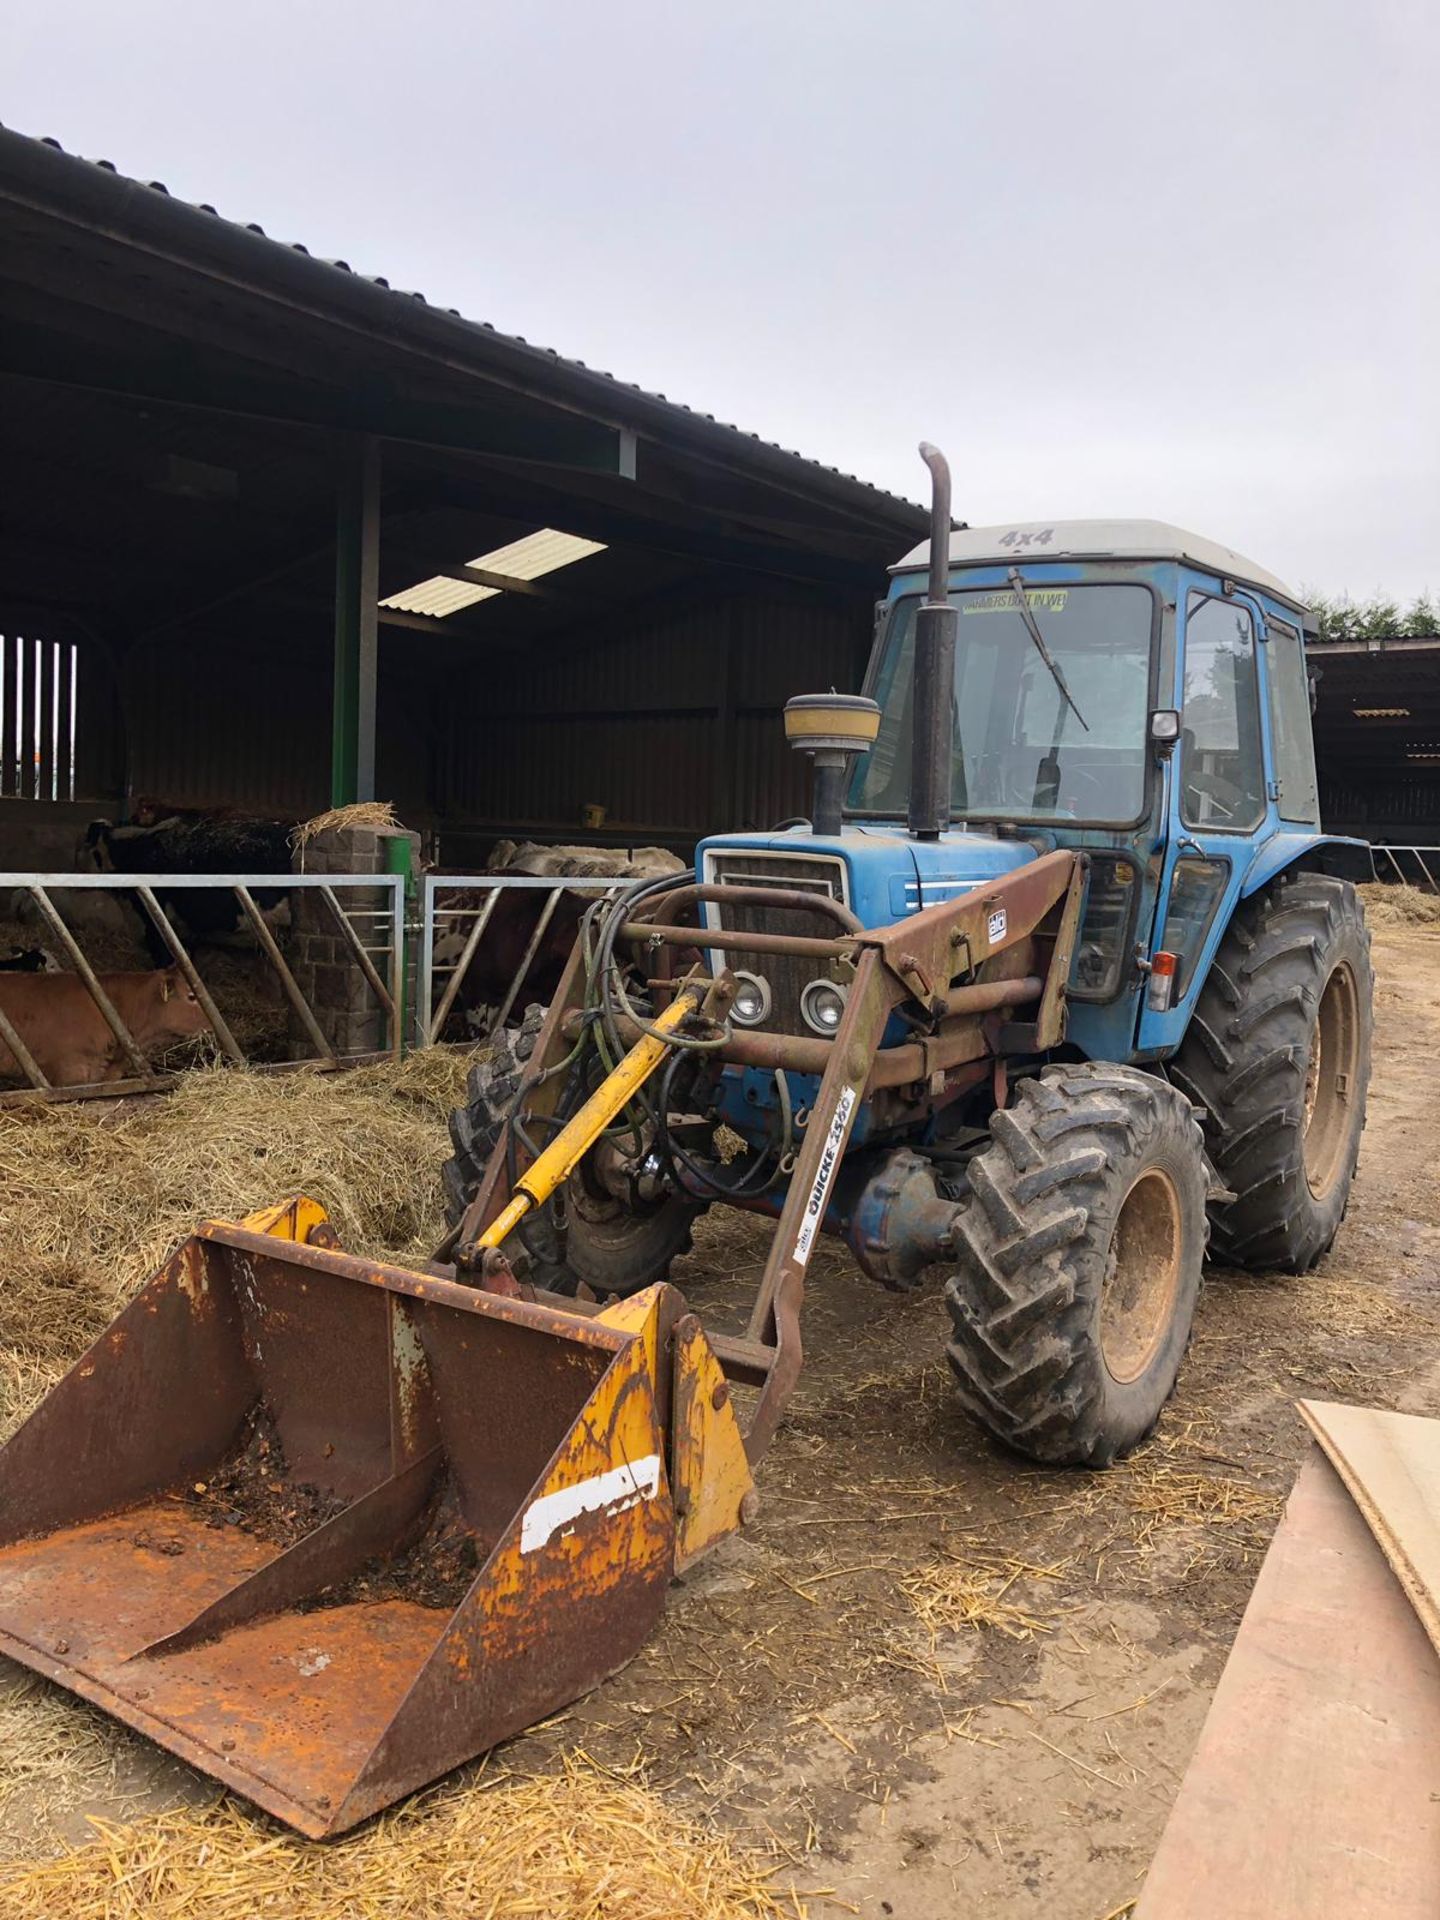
[(1061, 984)]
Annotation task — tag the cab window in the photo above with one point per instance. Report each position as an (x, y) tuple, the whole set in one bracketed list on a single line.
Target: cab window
[(1222, 785), (1293, 742)]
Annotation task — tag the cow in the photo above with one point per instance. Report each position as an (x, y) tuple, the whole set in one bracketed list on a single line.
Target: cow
[(68, 1036), (515, 917), (108, 927), (193, 842), (29, 960)]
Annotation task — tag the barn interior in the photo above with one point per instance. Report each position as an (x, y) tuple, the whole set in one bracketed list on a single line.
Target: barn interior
[(1377, 746), (278, 536)]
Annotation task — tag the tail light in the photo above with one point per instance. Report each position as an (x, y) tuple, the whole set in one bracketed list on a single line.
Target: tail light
[(1161, 991)]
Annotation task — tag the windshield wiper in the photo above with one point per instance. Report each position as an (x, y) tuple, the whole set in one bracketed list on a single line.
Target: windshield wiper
[(1017, 587)]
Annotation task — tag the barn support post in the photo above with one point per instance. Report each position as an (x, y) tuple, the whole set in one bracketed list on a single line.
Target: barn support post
[(357, 594)]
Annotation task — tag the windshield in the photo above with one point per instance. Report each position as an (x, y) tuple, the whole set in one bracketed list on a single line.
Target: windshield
[(1020, 750)]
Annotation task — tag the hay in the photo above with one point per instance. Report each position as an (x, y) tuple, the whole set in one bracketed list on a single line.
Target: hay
[(974, 1591), (1159, 1494), (59, 1754), (91, 1203), (252, 1004), (1400, 906), (581, 1845), (1173, 1493), (360, 813)]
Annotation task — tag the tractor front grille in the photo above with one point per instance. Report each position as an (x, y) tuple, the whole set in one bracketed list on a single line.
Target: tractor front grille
[(821, 874)]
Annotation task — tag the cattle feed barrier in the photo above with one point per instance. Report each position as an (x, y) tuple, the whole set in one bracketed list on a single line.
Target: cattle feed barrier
[(373, 936), (453, 935), (1429, 867)]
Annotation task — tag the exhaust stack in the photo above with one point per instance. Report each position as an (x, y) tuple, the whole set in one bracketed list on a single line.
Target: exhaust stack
[(933, 741)]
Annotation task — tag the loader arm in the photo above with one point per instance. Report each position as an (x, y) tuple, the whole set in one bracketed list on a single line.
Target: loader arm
[(1020, 927)]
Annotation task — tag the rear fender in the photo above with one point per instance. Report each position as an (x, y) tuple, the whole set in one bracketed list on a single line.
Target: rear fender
[(1345, 858)]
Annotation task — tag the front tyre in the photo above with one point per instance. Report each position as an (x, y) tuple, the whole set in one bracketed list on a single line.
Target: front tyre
[(1078, 1263)]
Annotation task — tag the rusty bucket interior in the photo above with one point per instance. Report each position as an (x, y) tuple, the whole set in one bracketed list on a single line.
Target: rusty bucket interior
[(326, 1528)]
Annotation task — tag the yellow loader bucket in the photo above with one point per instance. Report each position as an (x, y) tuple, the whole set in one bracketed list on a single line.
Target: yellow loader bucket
[(327, 1528)]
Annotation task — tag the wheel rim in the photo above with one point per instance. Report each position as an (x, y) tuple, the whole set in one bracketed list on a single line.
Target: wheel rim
[(1330, 1080), (1142, 1277), (599, 1212)]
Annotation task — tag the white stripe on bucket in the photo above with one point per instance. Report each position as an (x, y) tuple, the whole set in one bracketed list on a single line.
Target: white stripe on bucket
[(619, 1487)]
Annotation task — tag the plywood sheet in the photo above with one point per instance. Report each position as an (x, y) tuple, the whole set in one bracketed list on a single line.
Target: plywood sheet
[(1391, 1464), (1313, 1792)]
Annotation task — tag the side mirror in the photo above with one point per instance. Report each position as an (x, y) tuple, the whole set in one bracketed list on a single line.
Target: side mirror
[(1165, 728)]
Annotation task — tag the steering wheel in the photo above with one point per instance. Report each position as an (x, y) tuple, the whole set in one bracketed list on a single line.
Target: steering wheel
[(1223, 794), (1017, 787)]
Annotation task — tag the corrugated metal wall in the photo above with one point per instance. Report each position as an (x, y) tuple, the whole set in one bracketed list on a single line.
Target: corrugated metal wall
[(248, 725), (1405, 809), (220, 725), (668, 718), (672, 723)]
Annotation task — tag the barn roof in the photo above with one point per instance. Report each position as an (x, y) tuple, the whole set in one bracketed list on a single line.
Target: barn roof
[(93, 197)]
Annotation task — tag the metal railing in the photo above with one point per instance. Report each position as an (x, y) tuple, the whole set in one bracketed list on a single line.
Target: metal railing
[(375, 946), (453, 934), (1426, 860)]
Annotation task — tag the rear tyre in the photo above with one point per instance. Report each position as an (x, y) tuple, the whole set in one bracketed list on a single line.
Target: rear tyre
[(1277, 1056), (1079, 1263), (584, 1233)]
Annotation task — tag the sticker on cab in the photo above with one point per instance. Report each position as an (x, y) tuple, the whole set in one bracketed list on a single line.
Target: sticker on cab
[(995, 927)]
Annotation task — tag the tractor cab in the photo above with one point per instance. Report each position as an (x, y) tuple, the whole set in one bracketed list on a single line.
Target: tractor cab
[(1119, 687)]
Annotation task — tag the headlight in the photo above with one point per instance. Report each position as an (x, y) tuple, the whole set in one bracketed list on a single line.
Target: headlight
[(822, 1005), (751, 1005)]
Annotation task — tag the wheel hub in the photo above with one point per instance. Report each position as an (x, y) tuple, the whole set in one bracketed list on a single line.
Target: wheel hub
[(1142, 1277), (1329, 1077)]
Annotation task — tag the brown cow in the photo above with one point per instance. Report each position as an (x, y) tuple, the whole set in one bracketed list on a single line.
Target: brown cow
[(67, 1034)]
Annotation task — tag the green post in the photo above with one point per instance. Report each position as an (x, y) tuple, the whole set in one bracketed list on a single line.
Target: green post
[(357, 592), (397, 860)]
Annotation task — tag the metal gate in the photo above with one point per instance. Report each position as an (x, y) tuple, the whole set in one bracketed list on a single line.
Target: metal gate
[(1412, 866), (366, 912), (470, 938)]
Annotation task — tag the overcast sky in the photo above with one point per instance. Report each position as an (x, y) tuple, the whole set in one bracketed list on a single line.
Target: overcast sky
[(1126, 257)]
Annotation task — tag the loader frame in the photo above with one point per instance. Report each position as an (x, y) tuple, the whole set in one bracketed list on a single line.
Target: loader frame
[(988, 972)]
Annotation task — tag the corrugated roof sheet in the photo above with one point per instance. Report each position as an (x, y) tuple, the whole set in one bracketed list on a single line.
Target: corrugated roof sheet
[(621, 386)]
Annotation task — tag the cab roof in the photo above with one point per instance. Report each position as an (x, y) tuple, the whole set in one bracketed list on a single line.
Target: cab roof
[(1032, 540)]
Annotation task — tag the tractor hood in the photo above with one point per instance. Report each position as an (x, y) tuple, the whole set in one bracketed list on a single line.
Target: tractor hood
[(887, 875)]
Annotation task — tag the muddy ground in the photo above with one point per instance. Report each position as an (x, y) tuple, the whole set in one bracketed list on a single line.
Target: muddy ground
[(936, 1680)]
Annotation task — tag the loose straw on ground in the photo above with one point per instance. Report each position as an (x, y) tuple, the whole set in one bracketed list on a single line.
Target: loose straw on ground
[(978, 1590), (581, 1845)]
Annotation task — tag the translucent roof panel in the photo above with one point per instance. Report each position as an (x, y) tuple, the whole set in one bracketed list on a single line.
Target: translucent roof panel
[(525, 559)]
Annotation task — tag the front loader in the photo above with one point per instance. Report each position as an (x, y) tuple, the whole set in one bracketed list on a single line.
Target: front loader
[(1060, 981)]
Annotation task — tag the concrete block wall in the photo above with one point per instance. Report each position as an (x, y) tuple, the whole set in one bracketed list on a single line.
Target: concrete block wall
[(325, 970)]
